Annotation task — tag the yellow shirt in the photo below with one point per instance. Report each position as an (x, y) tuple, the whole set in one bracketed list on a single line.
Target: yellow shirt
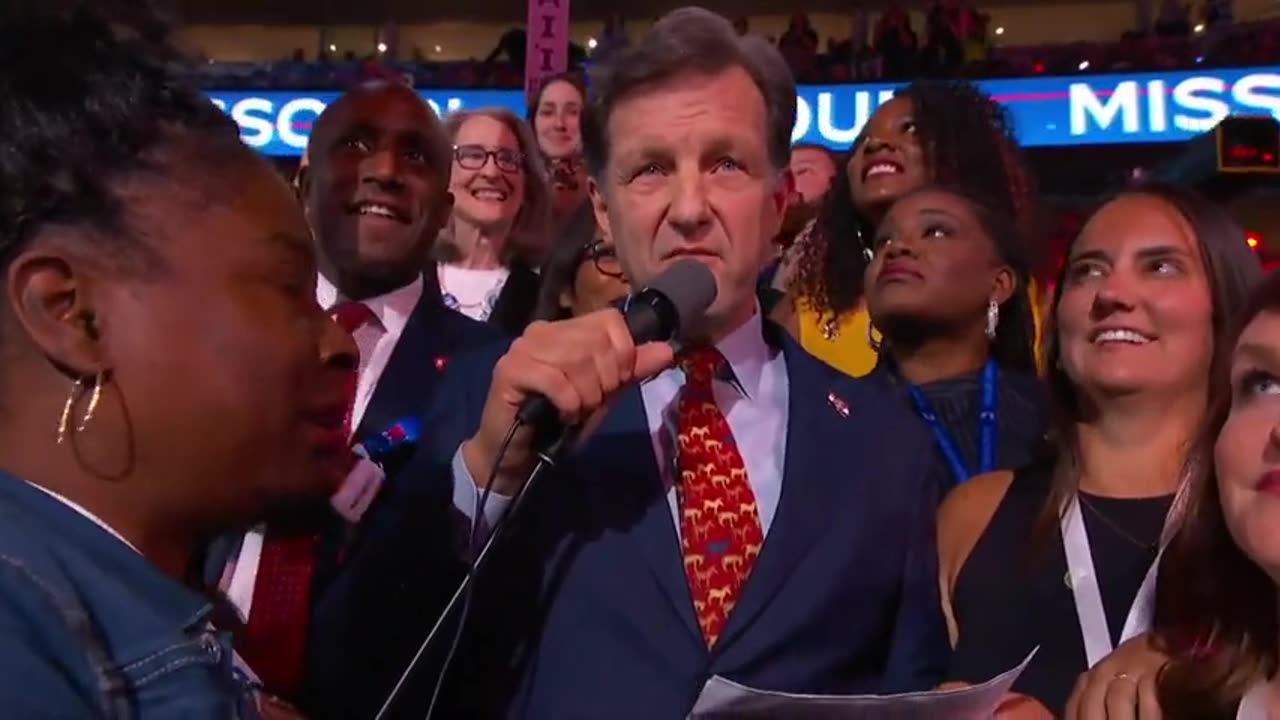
[(1033, 292), (847, 349)]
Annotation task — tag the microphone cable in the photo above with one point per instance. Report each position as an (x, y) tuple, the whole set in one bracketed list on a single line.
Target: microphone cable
[(546, 459), (473, 540)]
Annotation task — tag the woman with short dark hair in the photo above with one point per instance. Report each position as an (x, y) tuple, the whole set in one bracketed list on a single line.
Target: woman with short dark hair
[(948, 288), (582, 274)]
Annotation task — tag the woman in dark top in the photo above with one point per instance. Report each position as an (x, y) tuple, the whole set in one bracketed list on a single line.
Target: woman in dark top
[(582, 274), (947, 289), (1060, 555)]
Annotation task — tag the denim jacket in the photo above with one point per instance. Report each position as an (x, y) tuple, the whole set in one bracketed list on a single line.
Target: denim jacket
[(91, 629)]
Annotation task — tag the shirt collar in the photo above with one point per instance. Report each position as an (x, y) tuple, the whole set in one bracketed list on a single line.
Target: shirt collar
[(392, 309), (90, 516), (747, 354)]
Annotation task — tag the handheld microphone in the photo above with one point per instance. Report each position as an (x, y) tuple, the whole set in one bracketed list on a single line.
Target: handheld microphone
[(665, 310), (660, 312)]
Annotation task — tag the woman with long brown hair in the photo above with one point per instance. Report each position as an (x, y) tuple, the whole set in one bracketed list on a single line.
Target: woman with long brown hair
[(555, 113), (1217, 604), (1059, 555)]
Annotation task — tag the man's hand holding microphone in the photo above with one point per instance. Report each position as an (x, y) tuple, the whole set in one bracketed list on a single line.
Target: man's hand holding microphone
[(567, 371)]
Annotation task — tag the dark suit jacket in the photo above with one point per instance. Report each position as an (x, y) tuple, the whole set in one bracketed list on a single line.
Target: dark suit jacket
[(433, 338), (586, 613)]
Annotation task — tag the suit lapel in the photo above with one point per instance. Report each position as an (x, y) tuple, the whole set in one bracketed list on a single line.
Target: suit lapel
[(812, 483), (410, 374), (630, 482)]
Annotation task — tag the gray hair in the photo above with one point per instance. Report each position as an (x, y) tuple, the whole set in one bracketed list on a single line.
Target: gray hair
[(684, 40), (532, 224)]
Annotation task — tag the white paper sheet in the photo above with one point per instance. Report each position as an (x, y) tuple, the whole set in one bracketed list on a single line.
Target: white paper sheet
[(723, 698)]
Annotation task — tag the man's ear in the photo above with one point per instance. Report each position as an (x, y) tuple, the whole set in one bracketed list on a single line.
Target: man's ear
[(51, 296), (599, 205), (782, 197), (302, 182)]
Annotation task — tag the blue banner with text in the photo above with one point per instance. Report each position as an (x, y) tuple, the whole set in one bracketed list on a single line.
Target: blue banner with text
[(1047, 111)]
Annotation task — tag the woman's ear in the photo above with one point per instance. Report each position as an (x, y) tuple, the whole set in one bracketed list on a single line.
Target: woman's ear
[(565, 301), (1004, 285), (51, 296)]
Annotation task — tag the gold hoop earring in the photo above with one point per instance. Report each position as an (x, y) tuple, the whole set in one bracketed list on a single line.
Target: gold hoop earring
[(77, 391), (64, 419), (871, 337)]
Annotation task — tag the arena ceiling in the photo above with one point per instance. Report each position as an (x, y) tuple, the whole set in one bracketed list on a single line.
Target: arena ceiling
[(342, 12)]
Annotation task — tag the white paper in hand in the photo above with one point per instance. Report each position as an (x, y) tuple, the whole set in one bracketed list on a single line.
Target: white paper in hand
[(723, 698)]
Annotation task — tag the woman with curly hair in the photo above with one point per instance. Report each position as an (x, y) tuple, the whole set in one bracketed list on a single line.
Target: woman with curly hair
[(931, 133)]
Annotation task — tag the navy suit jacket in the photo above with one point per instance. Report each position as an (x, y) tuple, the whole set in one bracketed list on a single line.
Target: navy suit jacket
[(586, 613), (433, 338)]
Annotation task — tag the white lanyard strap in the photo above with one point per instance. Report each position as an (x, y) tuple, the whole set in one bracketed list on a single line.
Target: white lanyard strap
[(1253, 706), (1088, 598)]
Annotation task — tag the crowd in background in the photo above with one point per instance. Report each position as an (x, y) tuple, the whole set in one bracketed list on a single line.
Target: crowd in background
[(955, 40), (894, 450)]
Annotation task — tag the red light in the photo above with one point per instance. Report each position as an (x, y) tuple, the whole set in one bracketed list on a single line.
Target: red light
[(1039, 67), (1242, 152), (1253, 240), (1268, 157)]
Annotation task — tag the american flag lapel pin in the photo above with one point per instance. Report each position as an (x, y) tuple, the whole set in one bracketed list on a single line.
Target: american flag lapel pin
[(839, 404)]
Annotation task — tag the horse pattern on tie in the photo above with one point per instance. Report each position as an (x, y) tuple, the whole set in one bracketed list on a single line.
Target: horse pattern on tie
[(720, 531)]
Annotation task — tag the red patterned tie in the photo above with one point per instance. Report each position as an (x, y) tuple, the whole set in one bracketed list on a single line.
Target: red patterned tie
[(274, 640), (720, 531)]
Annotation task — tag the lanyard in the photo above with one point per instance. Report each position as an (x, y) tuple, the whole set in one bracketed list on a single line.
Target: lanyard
[(986, 423), (1088, 598), (1253, 706)]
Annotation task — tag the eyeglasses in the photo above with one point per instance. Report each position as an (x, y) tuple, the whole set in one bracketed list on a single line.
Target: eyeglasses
[(567, 163), (475, 157), (605, 258)]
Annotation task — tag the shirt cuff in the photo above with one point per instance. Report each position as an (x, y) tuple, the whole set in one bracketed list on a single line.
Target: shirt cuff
[(466, 495)]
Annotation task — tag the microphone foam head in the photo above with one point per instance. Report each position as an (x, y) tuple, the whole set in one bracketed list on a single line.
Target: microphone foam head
[(691, 288)]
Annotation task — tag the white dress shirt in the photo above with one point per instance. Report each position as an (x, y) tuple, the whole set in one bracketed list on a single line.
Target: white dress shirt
[(376, 341), (754, 403)]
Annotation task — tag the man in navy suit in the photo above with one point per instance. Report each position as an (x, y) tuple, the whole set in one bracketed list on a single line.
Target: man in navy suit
[(618, 591), (375, 192)]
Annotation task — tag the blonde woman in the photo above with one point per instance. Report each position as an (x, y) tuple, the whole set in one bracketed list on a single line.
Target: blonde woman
[(501, 212)]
